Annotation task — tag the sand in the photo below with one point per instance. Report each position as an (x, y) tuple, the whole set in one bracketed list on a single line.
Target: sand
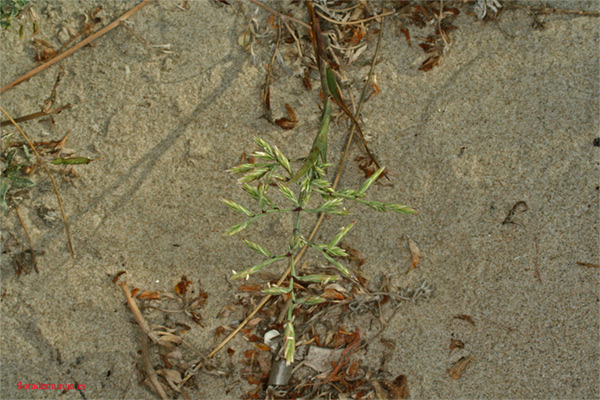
[(510, 115)]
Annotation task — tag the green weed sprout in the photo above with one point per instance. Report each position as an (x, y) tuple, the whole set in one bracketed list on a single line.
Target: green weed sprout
[(272, 169), (10, 9), (10, 174)]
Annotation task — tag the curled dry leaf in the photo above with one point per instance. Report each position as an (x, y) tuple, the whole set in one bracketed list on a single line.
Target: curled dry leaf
[(182, 286), (250, 288), (459, 367), (147, 295), (332, 294), (398, 389), (117, 276), (456, 344), (465, 317), (291, 121)]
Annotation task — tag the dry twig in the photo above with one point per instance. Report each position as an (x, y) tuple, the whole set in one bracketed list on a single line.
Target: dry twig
[(138, 314), (39, 114)]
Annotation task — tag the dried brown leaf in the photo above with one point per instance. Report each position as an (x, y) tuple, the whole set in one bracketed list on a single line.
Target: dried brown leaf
[(430, 63), (117, 276), (465, 317), (456, 344), (250, 288), (415, 253), (291, 121), (332, 295), (459, 367), (147, 295), (182, 286), (398, 389), (291, 113)]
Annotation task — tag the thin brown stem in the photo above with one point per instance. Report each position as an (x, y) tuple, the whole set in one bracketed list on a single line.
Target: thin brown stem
[(361, 102), (150, 373), (40, 114)]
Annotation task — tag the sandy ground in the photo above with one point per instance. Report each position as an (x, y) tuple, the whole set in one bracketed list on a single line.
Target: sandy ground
[(510, 115)]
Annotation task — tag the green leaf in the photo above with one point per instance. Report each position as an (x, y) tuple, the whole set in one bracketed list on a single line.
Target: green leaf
[(258, 248), (322, 279), (249, 271), (401, 209), (238, 227), (21, 182), (346, 194), (289, 343), (328, 205), (237, 207), (283, 160), (310, 300), (27, 155), (375, 205), (338, 211), (254, 175), (321, 184), (342, 269), (252, 192), (276, 290), (4, 186), (369, 181), (332, 84), (241, 168), (267, 148), (287, 192), (71, 161), (263, 199), (264, 156), (343, 232), (336, 251)]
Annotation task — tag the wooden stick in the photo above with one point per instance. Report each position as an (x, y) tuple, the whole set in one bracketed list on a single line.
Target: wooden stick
[(79, 45), (138, 314)]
